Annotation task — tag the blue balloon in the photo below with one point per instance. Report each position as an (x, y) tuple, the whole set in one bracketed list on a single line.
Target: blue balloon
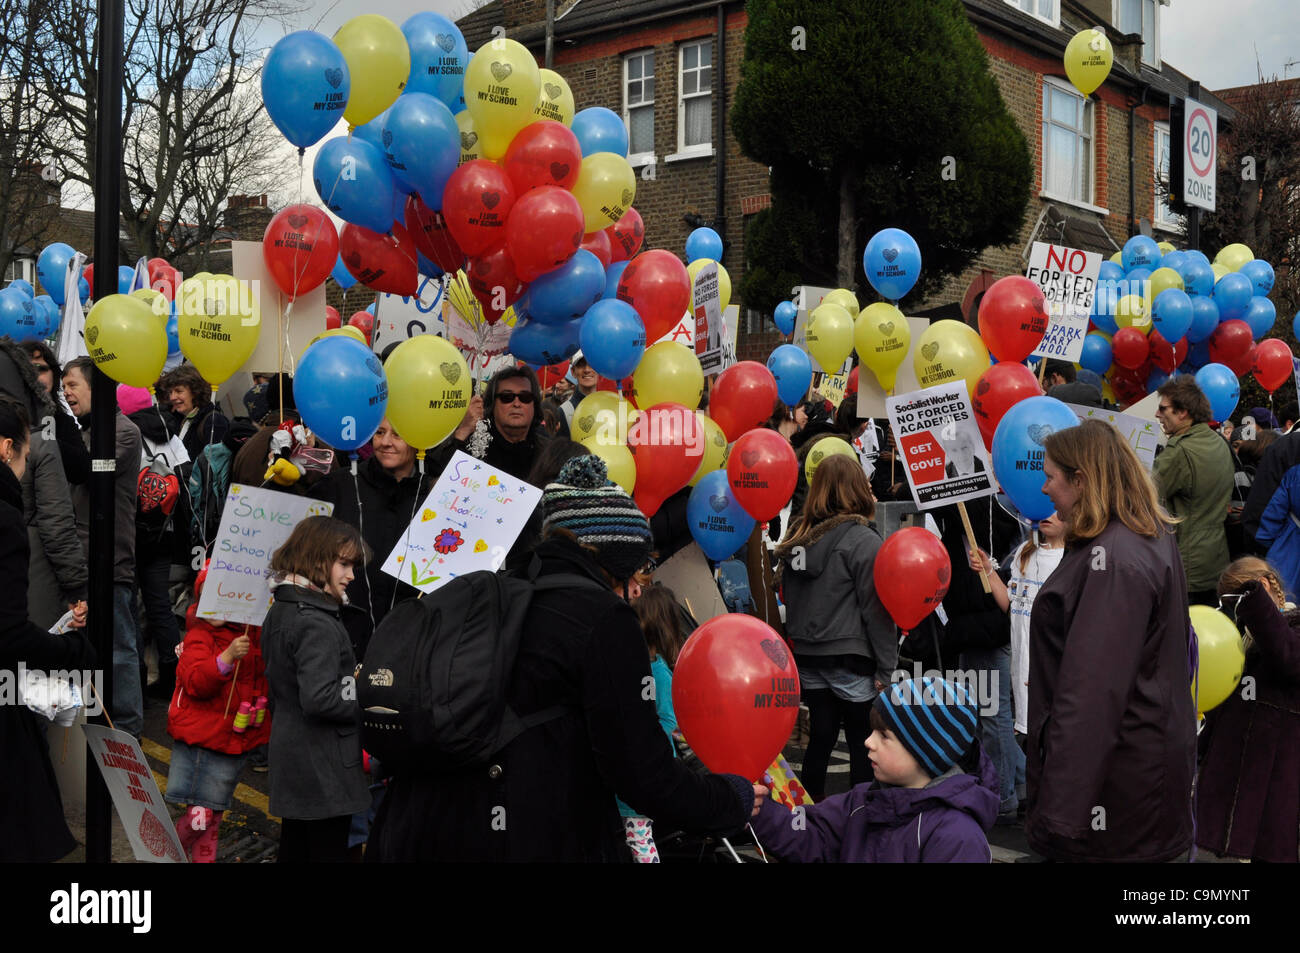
[(20, 284), (18, 317), (600, 130), (1221, 386), (1198, 276), (52, 269), (1205, 318), (53, 316), (704, 242), (565, 293), (342, 277), (125, 279), (1260, 314), (370, 308), (613, 275), (83, 288), (542, 344), (1103, 305), (341, 392), (173, 334), (1198, 355), (1018, 451), (1232, 293), (1155, 379), (784, 316), (1295, 324), (1135, 281), (305, 86), (792, 369), (439, 56), (1174, 259), (1096, 355), (1141, 252), (1110, 272), (1199, 255), (426, 267), (1260, 274), (717, 521), (612, 337), (422, 144), (892, 262), (1171, 313), (373, 131), (353, 180)]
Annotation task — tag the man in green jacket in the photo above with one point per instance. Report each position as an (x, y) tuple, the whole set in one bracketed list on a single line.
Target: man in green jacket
[(1194, 477)]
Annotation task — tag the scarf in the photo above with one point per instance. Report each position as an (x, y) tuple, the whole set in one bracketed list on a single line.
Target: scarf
[(278, 579)]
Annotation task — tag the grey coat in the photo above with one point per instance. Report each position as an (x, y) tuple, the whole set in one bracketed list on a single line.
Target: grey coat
[(316, 721), (126, 455)]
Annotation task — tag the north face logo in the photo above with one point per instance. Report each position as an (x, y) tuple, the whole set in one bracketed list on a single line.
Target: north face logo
[(381, 678)]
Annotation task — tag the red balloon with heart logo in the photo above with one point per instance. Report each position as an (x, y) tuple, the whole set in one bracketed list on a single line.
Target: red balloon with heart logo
[(598, 244), (1013, 318), (742, 398), (912, 573), (1273, 366), (364, 322), (544, 230), (300, 247), (1129, 348), (332, 318), (626, 235), (997, 391), (666, 443), (543, 153), (658, 286), (762, 470), (476, 203), (494, 282), (432, 237), (736, 694), (382, 262)]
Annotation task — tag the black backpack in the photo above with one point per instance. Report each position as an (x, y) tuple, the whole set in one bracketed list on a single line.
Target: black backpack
[(433, 686)]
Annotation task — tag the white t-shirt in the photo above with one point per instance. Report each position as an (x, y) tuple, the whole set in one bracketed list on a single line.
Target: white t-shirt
[(1021, 590)]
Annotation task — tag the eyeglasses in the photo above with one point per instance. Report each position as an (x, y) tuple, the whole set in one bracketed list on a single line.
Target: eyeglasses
[(508, 397)]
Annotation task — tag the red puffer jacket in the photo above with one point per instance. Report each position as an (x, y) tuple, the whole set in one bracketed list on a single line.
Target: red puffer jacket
[(195, 715)]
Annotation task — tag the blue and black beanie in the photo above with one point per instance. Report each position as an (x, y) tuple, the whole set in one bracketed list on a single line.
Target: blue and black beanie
[(583, 501), (934, 719)]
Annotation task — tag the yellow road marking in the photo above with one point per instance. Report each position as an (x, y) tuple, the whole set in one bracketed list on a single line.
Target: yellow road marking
[(243, 793)]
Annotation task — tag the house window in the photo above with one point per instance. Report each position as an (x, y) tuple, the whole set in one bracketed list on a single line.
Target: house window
[(1067, 143), (639, 104), (21, 268), (1048, 11), (695, 97), (1164, 218), (1141, 16)]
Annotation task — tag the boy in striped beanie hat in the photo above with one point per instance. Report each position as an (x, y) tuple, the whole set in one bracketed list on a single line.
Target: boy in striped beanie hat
[(584, 502), (931, 723)]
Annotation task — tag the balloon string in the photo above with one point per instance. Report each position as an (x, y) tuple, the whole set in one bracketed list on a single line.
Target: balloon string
[(361, 528)]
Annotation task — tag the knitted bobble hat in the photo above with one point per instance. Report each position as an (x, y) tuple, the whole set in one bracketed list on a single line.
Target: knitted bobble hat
[(934, 719), (583, 501)]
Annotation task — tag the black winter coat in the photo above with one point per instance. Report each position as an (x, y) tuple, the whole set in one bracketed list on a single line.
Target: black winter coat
[(1280, 456), (553, 796)]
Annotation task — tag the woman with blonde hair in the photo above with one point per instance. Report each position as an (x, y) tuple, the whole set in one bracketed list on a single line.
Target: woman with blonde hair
[(1112, 727)]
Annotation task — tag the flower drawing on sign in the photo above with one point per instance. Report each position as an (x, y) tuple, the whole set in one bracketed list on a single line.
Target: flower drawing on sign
[(448, 541)]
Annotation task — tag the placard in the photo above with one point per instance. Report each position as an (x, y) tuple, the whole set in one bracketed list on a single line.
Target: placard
[(940, 445), (806, 300), (398, 319), (707, 310), (871, 396), (1068, 277), (688, 575), (254, 524), (135, 793), (1142, 434), (468, 522)]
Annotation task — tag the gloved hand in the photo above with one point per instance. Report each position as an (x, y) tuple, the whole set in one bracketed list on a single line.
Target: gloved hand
[(283, 472), (1230, 602), (281, 441)]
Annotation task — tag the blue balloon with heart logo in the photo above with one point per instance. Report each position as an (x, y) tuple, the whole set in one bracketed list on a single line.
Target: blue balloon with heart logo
[(53, 316), (342, 277), (703, 242), (784, 317), (1018, 451), (613, 275), (1205, 318), (717, 522), (305, 86), (1141, 252), (1232, 293), (1260, 274), (125, 279), (1110, 271), (52, 269), (439, 56), (17, 314), (1261, 315), (892, 261), (352, 178), (599, 130), (20, 284), (341, 392), (1096, 354), (792, 369), (1171, 313), (422, 144), (1220, 385), (1174, 259), (612, 337), (373, 131), (541, 344), (1198, 276), (565, 293)]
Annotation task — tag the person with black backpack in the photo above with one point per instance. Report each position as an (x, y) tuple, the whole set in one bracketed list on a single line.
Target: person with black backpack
[(518, 756)]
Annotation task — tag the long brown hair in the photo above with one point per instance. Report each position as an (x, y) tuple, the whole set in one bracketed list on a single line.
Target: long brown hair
[(1114, 482), (839, 488), (315, 544), (659, 615)]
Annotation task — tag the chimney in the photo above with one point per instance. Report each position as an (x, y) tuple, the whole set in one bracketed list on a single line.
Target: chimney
[(247, 216)]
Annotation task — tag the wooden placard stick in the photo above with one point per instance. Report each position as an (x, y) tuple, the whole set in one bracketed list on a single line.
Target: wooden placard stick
[(970, 541)]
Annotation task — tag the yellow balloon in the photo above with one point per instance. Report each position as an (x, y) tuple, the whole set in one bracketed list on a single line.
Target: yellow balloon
[(1219, 270), (157, 302), (1165, 247), (715, 448), (950, 351), (846, 299), (603, 416), (126, 341), (1221, 654), (668, 372), (1233, 256), (724, 281), (428, 390), (1107, 391), (379, 64), (347, 331), (555, 101), (882, 336), (470, 146), (605, 189), (829, 336), (619, 463), (1088, 59), (218, 322), (1131, 311), (823, 448), (502, 83), (1117, 258), (1162, 279)]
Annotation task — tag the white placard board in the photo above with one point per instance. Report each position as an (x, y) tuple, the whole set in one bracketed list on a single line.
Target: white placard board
[(871, 396), (1143, 434), (306, 318), (707, 310), (135, 794), (688, 575), (1068, 277), (940, 445), (398, 319)]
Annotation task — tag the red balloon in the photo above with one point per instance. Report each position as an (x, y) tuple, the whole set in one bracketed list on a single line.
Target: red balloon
[(912, 573), (155, 265), (1130, 386), (166, 280), (1230, 342), (1180, 351), (1013, 318), (332, 318), (1163, 355), (1273, 366), (998, 389), (742, 398), (364, 322), (666, 442), (381, 262), (543, 153), (736, 694), (300, 247), (544, 230), (493, 281), (852, 387), (762, 471), (89, 274), (658, 286), (626, 235), (432, 237), (552, 374), (598, 244), (1130, 348), (1241, 366), (476, 204)]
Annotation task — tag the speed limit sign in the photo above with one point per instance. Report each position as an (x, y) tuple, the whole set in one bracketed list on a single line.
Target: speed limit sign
[(1200, 145)]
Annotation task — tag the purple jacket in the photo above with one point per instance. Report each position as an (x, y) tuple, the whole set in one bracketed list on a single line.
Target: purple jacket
[(945, 823)]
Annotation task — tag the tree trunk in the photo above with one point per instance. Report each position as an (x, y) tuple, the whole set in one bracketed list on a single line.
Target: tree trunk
[(848, 231)]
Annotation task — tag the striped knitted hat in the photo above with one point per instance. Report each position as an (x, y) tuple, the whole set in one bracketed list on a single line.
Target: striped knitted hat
[(934, 719), (583, 501)]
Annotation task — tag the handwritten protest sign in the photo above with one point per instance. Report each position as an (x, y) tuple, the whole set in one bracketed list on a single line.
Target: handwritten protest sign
[(254, 524), (468, 522), (1142, 434), (135, 794), (1068, 278), (399, 318), (943, 454)]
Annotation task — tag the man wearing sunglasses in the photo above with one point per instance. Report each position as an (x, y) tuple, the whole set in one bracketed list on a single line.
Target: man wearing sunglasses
[(511, 433)]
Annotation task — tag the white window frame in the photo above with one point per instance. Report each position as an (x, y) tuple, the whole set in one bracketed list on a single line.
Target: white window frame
[(19, 267), (1174, 223), (1090, 121), (702, 149), (636, 159), (1054, 18), (1150, 57)]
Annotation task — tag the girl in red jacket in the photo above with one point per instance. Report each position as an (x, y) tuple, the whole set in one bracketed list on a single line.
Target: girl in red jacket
[(217, 715)]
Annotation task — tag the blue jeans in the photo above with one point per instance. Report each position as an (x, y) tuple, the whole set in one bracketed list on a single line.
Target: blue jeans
[(998, 729), (128, 702)]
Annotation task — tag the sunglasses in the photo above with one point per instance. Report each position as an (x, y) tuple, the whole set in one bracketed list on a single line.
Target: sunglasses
[(507, 397)]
